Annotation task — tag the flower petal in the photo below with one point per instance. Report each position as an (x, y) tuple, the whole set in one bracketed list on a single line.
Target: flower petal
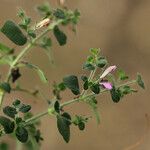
[(106, 85), (107, 71), (43, 23)]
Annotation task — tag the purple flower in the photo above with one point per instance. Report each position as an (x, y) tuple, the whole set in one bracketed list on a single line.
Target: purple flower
[(106, 85), (107, 71)]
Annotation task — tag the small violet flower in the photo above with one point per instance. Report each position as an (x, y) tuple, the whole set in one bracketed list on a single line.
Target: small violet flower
[(43, 23), (105, 83), (107, 71)]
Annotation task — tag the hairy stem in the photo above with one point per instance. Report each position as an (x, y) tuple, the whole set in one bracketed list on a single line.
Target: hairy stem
[(38, 116), (24, 51)]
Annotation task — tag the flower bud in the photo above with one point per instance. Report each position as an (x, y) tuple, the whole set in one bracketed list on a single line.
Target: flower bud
[(107, 71), (43, 23)]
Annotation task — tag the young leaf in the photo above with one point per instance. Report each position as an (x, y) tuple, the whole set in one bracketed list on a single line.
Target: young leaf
[(5, 87), (81, 126), (7, 124), (140, 81), (88, 66), (64, 126), (57, 107), (12, 31), (72, 83), (60, 36), (115, 95), (25, 108), (10, 111), (39, 71), (101, 62), (122, 75), (21, 134), (93, 103), (5, 49), (59, 14), (7, 59), (95, 88), (16, 103)]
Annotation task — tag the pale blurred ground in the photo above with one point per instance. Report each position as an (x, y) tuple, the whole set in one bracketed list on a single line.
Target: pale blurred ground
[(121, 28)]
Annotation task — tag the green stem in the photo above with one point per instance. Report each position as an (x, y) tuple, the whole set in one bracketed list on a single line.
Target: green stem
[(18, 145), (28, 121), (24, 51)]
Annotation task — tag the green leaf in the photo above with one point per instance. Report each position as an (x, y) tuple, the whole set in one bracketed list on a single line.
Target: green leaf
[(81, 126), (84, 78), (7, 124), (88, 66), (21, 134), (32, 33), (140, 81), (115, 95), (86, 85), (59, 14), (63, 126), (4, 146), (12, 31), (60, 36), (39, 71), (101, 62), (5, 87), (25, 108), (72, 83), (61, 86), (95, 51), (7, 59), (5, 49), (46, 43), (57, 107), (122, 75), (45, 10), (16, 103), (93, 103), (95, 88), (10, 111)]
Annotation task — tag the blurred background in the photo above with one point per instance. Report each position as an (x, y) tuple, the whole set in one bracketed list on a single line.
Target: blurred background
[(121, 28)]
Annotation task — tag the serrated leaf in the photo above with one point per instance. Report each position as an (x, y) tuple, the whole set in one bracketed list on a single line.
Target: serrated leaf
[(72, 83), (140, 81), (5, 49), (21, 134), (64, 126), (60, 36), (12, 31), (10, 111), (39, 71), (5, 87), (7, 124)]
